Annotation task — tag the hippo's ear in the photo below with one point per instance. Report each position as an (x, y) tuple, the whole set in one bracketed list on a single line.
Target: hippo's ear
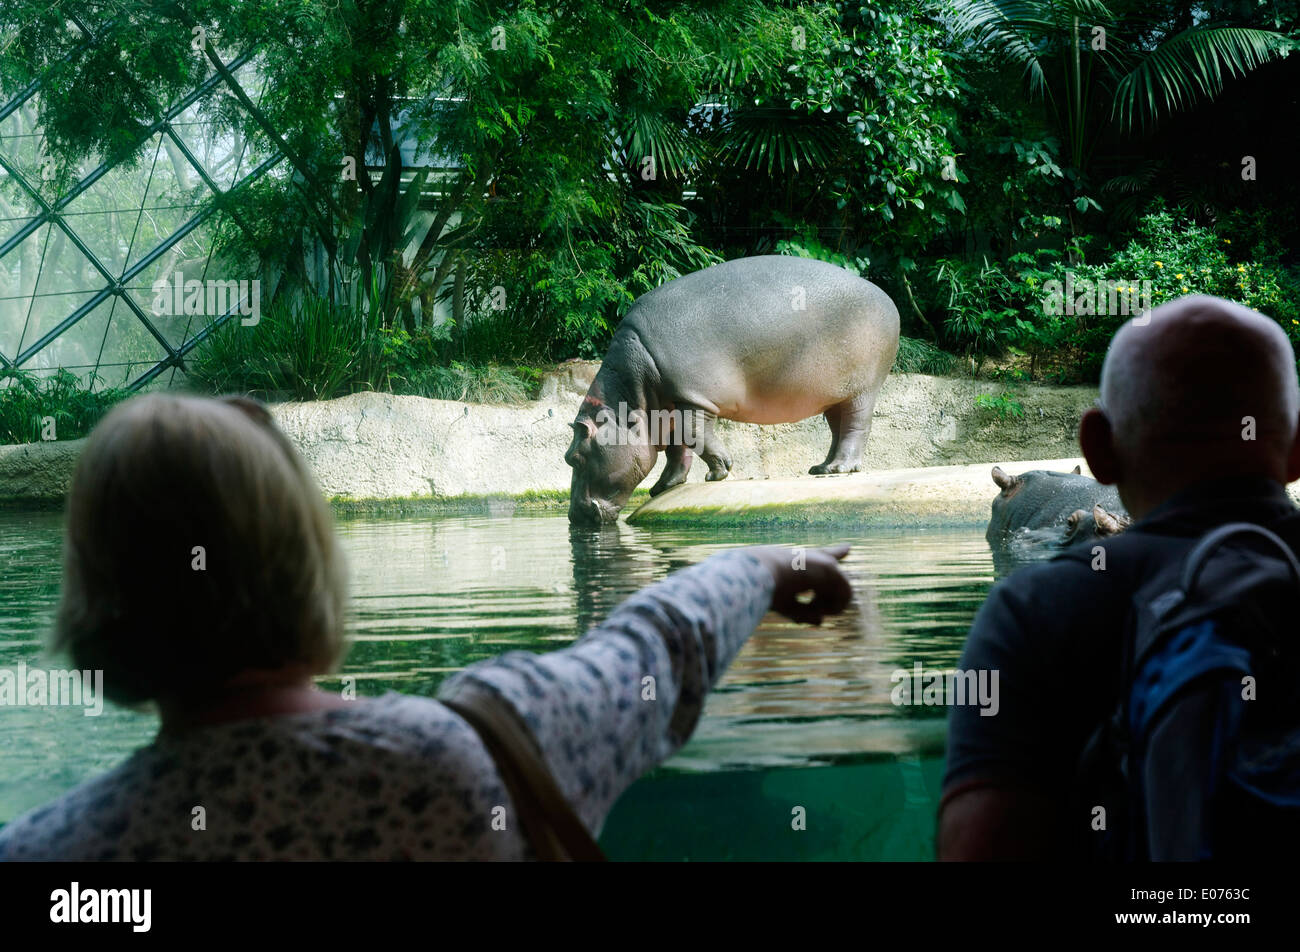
[(1078, 470), (1107, 525), (1072, 521), (1004, 481)]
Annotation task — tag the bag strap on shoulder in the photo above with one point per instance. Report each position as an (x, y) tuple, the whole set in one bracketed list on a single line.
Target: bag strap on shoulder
[(1212, 540), (546, 817)]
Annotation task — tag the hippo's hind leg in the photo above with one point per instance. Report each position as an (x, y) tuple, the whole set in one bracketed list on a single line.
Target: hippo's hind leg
[(850, 424), (699, 435), (675, 470)]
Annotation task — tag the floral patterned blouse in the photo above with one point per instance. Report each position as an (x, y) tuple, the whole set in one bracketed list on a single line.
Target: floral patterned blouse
[(403, 778)]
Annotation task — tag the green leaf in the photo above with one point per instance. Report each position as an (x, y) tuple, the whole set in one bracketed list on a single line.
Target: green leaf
[(1191, 65)]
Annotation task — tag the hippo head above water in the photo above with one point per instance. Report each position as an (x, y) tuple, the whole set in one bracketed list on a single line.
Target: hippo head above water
[(1040, 512), (1097, 524)]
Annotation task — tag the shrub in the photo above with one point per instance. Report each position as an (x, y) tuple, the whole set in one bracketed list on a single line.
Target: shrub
[(1178, 257), (1004, 406), (472, 384), (994, 309), (27, 399), (313, 350), (922, 357), (983, 303), (807, 244)]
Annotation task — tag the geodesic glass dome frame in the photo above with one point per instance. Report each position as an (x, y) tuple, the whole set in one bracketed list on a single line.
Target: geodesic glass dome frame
[(81, 248)]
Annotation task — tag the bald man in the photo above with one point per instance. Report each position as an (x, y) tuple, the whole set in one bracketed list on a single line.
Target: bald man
[(1196, 426)]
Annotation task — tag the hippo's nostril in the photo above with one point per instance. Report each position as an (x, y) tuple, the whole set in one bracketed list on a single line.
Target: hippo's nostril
[(585, 512)]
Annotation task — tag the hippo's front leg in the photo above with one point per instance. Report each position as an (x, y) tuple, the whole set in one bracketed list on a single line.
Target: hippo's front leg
[(700, 436), (675, 470), (850, 424)]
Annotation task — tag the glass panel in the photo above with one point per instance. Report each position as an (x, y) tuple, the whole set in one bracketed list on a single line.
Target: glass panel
[(128, 348), (17, 207), (252, 79), (155, 289), (107, 216), (132, 210), (109, 347), (220, 136), (78, 347), (23, 145), (42, 281), (22, 142), (175, 193)]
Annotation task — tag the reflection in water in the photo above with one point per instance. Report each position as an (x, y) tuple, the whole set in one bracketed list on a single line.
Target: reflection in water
[(599, 553), (431, 595), (434, 595), (1025, 547)]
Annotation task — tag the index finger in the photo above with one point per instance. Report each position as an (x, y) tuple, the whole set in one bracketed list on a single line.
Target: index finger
[(833, 591)]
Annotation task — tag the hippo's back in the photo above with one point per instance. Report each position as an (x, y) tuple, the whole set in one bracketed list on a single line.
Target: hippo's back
[(767, 337)]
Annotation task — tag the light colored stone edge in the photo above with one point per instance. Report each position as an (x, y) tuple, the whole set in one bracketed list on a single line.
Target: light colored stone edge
[(932, 495), (380, 452)]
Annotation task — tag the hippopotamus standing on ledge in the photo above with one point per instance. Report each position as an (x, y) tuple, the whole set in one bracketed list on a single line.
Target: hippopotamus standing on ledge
[(772, 339)]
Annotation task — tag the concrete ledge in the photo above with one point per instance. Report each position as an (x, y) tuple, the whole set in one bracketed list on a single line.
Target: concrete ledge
[(37, 474), (927, 496), (375, 451)]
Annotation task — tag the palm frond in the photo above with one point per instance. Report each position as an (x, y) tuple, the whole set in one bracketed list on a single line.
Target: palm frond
[(765, 138), (1023, 30), (644, 133), (741, 61), (1142, 175), (1192, 65)]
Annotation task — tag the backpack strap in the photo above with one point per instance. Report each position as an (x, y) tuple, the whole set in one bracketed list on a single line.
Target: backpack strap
[(546, 818), (1211, 541), (1170, 604)]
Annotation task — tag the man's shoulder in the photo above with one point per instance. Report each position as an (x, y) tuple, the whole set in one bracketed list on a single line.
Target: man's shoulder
[(1089, 586), (1104, 563), (1078, 571), (1082, 589)]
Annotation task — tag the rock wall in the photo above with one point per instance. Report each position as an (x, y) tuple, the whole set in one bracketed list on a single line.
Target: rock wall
[(37, 473), (372, 446)]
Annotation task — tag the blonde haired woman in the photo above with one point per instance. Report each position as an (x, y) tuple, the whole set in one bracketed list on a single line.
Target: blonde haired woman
[(202, 576)]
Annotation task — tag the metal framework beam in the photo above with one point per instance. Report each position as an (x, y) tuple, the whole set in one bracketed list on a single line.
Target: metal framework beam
[(104, 167), (51, 212), (118, 287)]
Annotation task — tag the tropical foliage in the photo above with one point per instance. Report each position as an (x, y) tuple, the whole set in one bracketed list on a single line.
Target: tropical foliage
[(50, 407), (469, 186), (1105, 67)]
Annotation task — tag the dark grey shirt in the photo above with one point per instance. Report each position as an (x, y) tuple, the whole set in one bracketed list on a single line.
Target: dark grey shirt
[(1054, 633)]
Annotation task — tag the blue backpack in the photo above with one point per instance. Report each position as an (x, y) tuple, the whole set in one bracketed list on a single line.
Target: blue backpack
[(1201, 757)]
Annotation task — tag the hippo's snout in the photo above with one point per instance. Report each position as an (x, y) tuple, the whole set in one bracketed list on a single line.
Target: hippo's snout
[(588, 505), (592, 512), (585, 513)]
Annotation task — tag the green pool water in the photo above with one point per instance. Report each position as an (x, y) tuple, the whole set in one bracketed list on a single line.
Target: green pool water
[(800, 726)]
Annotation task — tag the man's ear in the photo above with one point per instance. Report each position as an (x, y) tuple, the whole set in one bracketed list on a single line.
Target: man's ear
[(1293, 458), (1098, 444), (255, 410)]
